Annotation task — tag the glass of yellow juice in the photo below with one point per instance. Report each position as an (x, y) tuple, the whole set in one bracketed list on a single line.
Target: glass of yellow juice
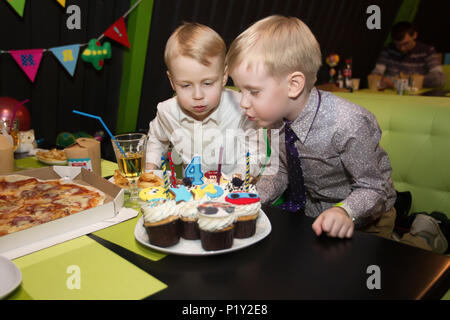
[(130, 150)]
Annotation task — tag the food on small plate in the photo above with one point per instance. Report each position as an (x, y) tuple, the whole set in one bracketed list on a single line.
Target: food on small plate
[(51, 155), (149, 179), (146, 180), (120, 180)]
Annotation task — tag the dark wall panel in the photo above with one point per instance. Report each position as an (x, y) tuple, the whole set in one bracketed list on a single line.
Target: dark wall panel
[(55, 93), (433, 24), (339, 25)]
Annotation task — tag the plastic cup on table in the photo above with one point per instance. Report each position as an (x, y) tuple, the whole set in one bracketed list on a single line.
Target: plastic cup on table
[(355, 84)]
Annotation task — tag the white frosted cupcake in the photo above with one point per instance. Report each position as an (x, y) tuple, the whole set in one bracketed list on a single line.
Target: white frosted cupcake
[(247, 207), (162, 223), (187, 210), (189, 217), (216, 224)]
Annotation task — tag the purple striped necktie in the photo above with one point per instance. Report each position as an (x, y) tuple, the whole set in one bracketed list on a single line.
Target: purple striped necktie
[(295, 196)]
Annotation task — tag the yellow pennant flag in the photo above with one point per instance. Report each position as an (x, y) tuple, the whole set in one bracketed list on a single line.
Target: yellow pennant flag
[(62, 2)]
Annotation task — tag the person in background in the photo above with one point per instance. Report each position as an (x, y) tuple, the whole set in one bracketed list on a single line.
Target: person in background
[(408, 56)]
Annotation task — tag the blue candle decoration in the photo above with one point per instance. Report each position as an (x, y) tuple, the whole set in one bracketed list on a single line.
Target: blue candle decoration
[(194, 171)]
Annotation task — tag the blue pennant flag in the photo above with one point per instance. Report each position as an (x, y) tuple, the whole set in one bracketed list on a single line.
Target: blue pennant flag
[(68, 56)]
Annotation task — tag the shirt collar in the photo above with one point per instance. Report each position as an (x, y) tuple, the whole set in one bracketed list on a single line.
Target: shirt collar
[(302, 124)]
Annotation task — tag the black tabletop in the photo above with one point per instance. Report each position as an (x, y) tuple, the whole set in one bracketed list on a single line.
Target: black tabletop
[(293, 263)]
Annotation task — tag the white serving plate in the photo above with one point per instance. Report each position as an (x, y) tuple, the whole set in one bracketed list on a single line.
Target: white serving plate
[(10, 278), (194, 247)]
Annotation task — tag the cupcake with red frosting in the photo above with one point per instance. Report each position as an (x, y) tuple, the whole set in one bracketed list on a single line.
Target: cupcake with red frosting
[(247, 207)]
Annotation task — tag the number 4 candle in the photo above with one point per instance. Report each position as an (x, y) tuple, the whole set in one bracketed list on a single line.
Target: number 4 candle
[(194, 171)]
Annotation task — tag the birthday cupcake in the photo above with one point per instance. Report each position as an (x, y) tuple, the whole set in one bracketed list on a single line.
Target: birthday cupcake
[(187, 209), (207, 192), (237, 184), (188, 219), (162, 223), (212, 176), (216, 223), (247, 206)]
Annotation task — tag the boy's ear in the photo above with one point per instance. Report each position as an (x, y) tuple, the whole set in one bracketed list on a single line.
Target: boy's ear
[(296, 84), (170, 79)]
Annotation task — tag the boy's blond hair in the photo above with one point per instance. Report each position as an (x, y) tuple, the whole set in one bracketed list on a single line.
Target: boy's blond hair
[(283, 44), (195, 41)]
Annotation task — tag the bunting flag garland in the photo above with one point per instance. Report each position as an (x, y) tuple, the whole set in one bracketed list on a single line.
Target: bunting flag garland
[(95, 53), (18, 5), (68, 56), (118, 32), (28, 60)]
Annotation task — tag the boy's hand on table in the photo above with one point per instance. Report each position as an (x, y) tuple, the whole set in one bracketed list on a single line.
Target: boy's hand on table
[(334, 222)]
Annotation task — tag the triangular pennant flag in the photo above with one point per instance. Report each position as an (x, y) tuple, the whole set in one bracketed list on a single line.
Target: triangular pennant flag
[(118, 32), (18, 5), (28, 60), (62, 2), (68, 56)]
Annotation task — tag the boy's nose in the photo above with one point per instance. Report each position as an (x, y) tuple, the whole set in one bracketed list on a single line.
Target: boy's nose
[(198, 93), (244, 103)]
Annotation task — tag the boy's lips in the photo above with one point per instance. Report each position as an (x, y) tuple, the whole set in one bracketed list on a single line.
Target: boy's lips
[(199, 108), (251, 118)]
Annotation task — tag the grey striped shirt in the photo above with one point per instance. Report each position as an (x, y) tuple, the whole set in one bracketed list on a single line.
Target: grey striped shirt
[(422, 60), (341, 158)]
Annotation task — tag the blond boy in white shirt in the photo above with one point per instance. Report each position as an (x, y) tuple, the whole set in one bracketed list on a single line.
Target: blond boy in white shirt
[(203, 116)]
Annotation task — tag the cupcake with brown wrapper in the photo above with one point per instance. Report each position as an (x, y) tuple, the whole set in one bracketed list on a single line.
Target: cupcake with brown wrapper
[(162, 223), (247, 207), (188, 220), (216, 224), (187, 209)]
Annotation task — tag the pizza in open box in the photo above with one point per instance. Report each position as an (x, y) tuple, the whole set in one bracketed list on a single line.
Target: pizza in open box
[(26, 202)]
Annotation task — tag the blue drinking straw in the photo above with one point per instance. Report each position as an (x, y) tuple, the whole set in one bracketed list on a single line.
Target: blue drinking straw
[(104, 125)]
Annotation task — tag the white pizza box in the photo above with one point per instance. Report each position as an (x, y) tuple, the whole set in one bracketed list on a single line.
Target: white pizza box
[(111, 207)]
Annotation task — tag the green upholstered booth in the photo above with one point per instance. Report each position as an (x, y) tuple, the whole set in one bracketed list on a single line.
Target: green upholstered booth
[(416, 135)]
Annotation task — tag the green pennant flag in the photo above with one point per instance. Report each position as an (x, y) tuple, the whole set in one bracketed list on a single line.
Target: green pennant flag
[(18, 5)]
